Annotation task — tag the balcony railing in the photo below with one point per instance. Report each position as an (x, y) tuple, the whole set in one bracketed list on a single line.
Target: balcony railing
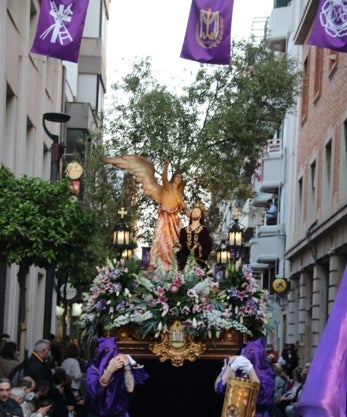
[(273, 145)]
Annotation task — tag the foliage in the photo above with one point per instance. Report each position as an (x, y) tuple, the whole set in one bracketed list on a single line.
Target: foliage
[(40, 223), (103, 194), (123, 296), (213, 129)]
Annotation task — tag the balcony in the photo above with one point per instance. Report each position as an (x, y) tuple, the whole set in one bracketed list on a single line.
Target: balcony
[(252, 217), (279, 27), (266, 250), (81, 116), (273, 168), (306, 22)]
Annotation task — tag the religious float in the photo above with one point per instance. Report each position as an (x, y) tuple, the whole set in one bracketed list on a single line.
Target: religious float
[(175, 315)]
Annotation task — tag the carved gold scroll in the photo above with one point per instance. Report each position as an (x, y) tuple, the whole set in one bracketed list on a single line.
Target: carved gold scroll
[(177, 346)]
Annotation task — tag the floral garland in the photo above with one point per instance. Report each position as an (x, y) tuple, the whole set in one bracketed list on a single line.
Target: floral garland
[(122, 295)]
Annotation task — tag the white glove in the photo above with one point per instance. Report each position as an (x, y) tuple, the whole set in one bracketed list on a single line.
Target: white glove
[(241, 363), (131, 360)]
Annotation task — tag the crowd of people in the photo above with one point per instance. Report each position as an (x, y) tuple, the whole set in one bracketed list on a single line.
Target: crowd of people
[(63, 385), (57, 383)]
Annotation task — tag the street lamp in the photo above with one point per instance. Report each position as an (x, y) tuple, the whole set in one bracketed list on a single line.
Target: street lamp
[(127, 253), (56, 146), (121, 238), (223, 254), (235, 239), (222, 259), (55, 158)]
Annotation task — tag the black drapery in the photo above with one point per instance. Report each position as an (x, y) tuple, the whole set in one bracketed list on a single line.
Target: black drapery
[(186, 391)]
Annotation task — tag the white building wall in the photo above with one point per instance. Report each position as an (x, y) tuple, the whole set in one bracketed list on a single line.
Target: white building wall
[(31, 85)]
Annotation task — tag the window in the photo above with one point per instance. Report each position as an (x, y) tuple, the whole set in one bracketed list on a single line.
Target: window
[(318, 70), (313, 175), (327, 176), (300, 201), (305, 91), (312, 196), (328, 156), (75, 138), (30, 149), (343, 162), (281, 3), (333, 60)]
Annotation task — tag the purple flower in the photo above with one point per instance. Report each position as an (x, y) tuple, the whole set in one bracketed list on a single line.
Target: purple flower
[(117, 286), (121, 306), (101, 305)]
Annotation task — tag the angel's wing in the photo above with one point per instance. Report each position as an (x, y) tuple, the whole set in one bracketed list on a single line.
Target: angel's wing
[(143, 171)]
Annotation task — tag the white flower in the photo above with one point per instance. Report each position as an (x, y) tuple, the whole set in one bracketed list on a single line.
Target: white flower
[(203, 287)]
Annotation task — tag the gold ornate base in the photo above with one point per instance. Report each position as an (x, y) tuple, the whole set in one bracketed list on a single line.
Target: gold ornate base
[(240, 398), (177, 346), (130, 342)]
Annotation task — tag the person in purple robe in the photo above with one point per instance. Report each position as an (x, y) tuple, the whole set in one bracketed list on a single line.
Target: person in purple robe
[(111, 380), (256, 353), (251, 362)]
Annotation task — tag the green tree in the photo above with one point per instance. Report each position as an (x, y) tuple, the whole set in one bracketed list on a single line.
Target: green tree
[(40, 224), (213, 129), (103, 191)]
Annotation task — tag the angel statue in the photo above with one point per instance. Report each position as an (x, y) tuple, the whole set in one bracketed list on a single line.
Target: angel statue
[(169, 196)]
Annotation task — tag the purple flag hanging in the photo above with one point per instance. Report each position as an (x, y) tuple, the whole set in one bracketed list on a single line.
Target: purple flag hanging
[(207, 37), (325, 389), (60, 28), (330, 26)]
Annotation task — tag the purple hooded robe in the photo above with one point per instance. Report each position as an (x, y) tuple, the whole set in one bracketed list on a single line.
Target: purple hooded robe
[(113, 400), (254, 351)]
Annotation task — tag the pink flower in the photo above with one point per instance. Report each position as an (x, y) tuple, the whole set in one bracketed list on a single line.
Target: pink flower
[(208, 307), (160, 291), (187, 323), (204, 299), (191, 293), (162, 299), (242, 295), (197, 308), (174, 311), (178, 281), (186, 310), (165, 309), (174, 289)]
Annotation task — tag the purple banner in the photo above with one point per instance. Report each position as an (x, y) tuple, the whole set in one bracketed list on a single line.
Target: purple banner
[(207, 37), (324, 392), (330, 26), (60, 28)]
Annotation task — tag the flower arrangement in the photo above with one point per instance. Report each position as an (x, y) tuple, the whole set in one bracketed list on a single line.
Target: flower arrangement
[(122, 295)]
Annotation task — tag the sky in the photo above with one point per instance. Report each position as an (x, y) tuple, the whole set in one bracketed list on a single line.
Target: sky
[(139, 28)]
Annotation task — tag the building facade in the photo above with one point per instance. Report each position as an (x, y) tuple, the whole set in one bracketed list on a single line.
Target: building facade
[(318, 252), (33, 85), (306, 172)]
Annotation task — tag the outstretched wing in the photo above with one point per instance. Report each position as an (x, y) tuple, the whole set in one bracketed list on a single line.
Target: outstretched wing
[(143, 171)]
